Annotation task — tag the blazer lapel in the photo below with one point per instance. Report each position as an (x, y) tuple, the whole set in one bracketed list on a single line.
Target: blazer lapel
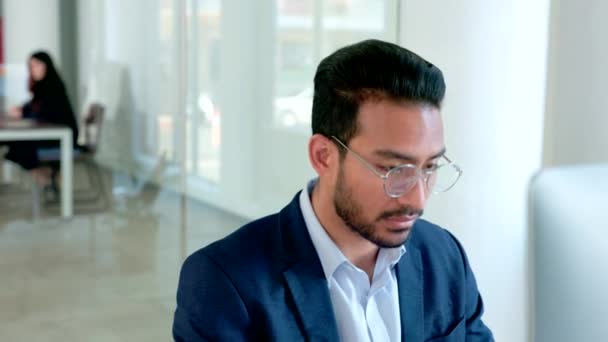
[(311, 296), (304, 276), (411, 305)]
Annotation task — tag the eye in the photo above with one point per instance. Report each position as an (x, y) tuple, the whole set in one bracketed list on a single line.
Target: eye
[(385, 168), (430, 167)]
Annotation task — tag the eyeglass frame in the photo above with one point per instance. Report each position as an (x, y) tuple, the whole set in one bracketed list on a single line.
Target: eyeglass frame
[(420, 173)]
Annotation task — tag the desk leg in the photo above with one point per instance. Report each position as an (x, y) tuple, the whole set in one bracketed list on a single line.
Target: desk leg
[(7, 171), (66, 175)]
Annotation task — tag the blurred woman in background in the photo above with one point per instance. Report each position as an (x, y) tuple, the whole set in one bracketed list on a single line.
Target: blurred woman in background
[(49, 104)]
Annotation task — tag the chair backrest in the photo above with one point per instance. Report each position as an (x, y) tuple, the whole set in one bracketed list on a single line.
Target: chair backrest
[(92, 124)]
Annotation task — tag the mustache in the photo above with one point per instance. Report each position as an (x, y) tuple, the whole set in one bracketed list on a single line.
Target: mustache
[(405, 211)]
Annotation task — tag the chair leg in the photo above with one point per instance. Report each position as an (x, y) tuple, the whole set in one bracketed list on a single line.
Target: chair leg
[(95, 172), (95, 182), (94, 179), (54, 186)]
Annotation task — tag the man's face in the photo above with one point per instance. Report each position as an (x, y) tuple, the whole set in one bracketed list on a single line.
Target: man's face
[(389, 134)]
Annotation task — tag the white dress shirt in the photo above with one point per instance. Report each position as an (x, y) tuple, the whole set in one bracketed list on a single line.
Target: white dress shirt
[(363, 311)]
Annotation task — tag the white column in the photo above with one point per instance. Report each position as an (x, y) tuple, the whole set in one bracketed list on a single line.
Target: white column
[(493, 55), (576, 89), (29, 25), (237, 73)]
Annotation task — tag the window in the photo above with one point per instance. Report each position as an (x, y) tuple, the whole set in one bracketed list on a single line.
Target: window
[(307, 31)]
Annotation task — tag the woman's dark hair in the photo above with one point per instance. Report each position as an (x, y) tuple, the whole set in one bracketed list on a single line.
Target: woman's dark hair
[(51, 82), (371, 69)]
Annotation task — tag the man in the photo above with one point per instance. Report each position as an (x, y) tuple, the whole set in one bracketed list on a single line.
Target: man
[(348, 259)]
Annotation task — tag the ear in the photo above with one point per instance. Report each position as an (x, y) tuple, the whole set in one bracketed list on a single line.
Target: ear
[(322, 153)]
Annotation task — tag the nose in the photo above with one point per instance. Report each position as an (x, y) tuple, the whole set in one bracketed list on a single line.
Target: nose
[(416, 197)]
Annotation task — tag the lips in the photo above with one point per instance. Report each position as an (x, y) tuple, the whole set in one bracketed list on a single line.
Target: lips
[(401, 222)]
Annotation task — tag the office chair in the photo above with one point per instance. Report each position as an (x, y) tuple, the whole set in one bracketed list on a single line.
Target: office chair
[(84, 154)]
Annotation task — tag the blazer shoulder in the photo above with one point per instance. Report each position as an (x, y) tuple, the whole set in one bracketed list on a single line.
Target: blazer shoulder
[(426, 233), (437, 243), (247, 245)]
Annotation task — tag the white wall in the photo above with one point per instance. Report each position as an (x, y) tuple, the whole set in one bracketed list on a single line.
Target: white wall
[(493, 55), (577, 105), (29, 25)]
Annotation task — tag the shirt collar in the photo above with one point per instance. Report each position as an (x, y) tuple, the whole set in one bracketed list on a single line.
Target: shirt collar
[(331, 256)]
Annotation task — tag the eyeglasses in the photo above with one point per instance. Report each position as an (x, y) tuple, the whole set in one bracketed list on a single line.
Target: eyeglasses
[(399, 180)]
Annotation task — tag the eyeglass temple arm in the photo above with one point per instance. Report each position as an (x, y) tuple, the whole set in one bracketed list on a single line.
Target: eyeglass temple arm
[(363, 161)]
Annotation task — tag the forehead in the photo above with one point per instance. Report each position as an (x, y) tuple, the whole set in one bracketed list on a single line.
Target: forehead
[(36, 62), (410, 128)]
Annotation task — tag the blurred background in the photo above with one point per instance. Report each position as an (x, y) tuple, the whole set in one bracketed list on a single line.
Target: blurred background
[(207, 117)]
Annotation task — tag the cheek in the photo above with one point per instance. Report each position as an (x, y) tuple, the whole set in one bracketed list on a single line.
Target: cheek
[(39, 71), (368, 184), (368, 191)]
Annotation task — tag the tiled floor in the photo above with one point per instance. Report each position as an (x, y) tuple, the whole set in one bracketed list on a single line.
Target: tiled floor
[(108, 274)]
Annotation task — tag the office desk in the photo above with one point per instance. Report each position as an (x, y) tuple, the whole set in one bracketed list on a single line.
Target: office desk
[(15, 130)]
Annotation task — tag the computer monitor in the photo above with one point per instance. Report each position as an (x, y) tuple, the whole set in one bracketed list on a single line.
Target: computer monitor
[(569, 222)]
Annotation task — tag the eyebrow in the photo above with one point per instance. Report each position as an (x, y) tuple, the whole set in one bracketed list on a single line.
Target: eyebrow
[(389, 154)]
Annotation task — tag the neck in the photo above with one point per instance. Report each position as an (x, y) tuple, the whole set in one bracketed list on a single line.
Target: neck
[(358, 250)]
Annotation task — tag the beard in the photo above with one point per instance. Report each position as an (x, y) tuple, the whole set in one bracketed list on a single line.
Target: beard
[(351, 212)]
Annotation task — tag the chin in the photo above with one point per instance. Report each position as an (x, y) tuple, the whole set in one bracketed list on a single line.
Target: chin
[(392, 239)]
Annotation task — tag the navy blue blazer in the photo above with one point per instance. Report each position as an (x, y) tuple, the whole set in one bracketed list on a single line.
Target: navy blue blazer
[(265, 282)]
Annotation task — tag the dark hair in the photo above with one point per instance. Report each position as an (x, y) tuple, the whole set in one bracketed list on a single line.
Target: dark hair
[(371, 69), (51, 82)]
